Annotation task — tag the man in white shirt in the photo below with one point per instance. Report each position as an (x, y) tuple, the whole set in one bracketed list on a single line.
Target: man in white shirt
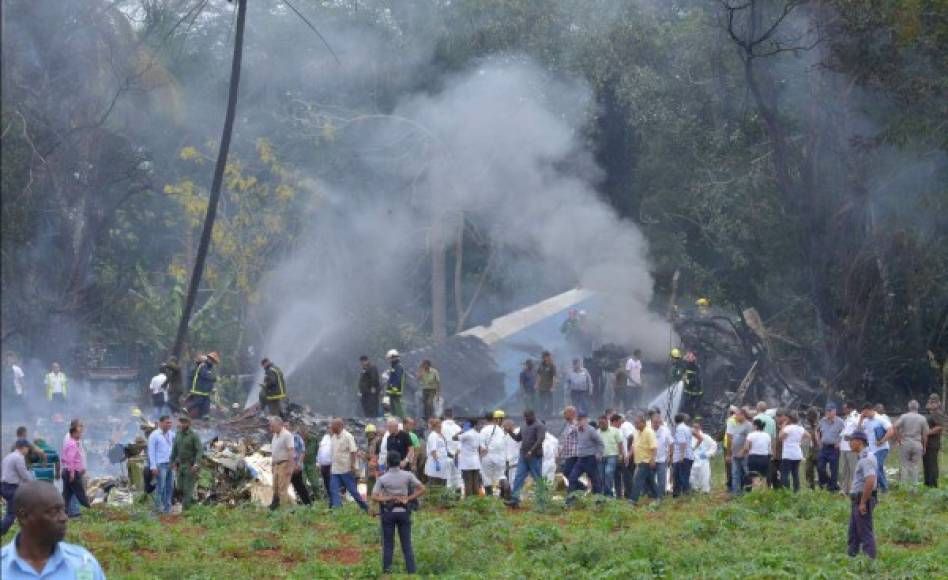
[(682, 456), (847, 457), (343, 469), (624, 472), (663, 452), (159, 395), (494, 463), (18, 376), (159, 458), (324, 460), (876, 426), (633, 369), (449, 428), (469, 459)]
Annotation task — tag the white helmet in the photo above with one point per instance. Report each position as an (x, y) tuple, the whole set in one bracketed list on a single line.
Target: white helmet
[(392, 354)]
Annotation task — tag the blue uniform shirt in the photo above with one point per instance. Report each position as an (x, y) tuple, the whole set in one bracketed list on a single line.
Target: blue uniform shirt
[(67, 562)]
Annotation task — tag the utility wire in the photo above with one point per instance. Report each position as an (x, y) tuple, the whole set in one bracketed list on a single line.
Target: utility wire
[(313, 28)]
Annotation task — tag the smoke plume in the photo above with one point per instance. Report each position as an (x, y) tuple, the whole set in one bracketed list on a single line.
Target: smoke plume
[(500, 145)]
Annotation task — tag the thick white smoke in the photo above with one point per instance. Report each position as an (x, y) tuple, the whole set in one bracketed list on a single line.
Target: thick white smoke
[(500, 145)]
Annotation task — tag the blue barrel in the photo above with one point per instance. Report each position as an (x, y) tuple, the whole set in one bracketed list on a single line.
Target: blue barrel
[(44, 473)]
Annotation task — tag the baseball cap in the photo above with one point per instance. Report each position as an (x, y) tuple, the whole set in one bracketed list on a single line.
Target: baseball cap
[(832, 407)]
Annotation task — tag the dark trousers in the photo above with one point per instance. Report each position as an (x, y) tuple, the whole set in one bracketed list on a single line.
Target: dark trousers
[(790, 468), (472, 481), (7, 490), (590, 467), (580, 400), (73, 486), (759, 464), (773, 478), (427, 402), (402, 521), (930, 465), (370, 405), (199, 406), (809, 468), (643, 482), (299, 486), (727, 474), (624, 478), (691, 405), (545, 403), (829, 457), (395, 406), (861, 534), (681, 478), (325, 471)]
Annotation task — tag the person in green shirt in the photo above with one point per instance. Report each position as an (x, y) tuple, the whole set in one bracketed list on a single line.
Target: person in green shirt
[(612, 455), (185, 459), (417, 465), (311, 475), (430, 380)]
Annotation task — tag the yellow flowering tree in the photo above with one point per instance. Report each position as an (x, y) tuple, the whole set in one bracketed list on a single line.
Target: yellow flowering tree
[(255, 218)]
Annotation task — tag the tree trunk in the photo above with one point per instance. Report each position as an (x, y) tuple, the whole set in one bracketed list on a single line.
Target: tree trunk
[(218, 180)]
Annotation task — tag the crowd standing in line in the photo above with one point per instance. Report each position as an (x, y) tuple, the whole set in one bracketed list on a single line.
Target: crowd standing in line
[(623, 456)]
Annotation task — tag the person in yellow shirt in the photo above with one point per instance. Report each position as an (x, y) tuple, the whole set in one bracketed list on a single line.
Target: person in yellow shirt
[(644, 450)]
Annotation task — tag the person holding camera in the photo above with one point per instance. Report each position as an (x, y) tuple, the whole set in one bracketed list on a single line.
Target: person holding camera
[(396, 491)]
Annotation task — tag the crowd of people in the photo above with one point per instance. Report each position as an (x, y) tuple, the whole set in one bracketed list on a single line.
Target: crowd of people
[(628, 455), (613, 456)]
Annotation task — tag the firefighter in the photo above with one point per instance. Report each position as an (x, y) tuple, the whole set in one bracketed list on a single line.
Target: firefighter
[(273, 389), (678, 365), (395, 385), (691, 383), (202, 384)]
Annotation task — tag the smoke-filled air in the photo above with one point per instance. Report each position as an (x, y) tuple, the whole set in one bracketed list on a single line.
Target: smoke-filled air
[(562, 257), (498, 146)]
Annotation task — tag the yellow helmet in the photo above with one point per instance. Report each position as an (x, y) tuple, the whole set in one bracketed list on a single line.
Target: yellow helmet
[(136, 412), (370, 428), (703, 302), (499, 414), (675, 353)]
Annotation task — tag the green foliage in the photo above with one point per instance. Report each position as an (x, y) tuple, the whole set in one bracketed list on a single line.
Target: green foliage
[(772, 535)]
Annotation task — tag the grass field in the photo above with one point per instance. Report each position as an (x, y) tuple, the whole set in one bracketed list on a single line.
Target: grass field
[(761, 535)]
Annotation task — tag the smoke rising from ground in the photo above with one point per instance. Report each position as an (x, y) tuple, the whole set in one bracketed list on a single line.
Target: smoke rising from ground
[(499, 145)]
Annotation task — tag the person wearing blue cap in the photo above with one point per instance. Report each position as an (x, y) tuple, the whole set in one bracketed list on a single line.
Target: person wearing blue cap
[(863, 498)]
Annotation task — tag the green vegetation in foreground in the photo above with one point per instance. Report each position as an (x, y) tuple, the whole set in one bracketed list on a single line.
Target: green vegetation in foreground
[(764, 534)]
